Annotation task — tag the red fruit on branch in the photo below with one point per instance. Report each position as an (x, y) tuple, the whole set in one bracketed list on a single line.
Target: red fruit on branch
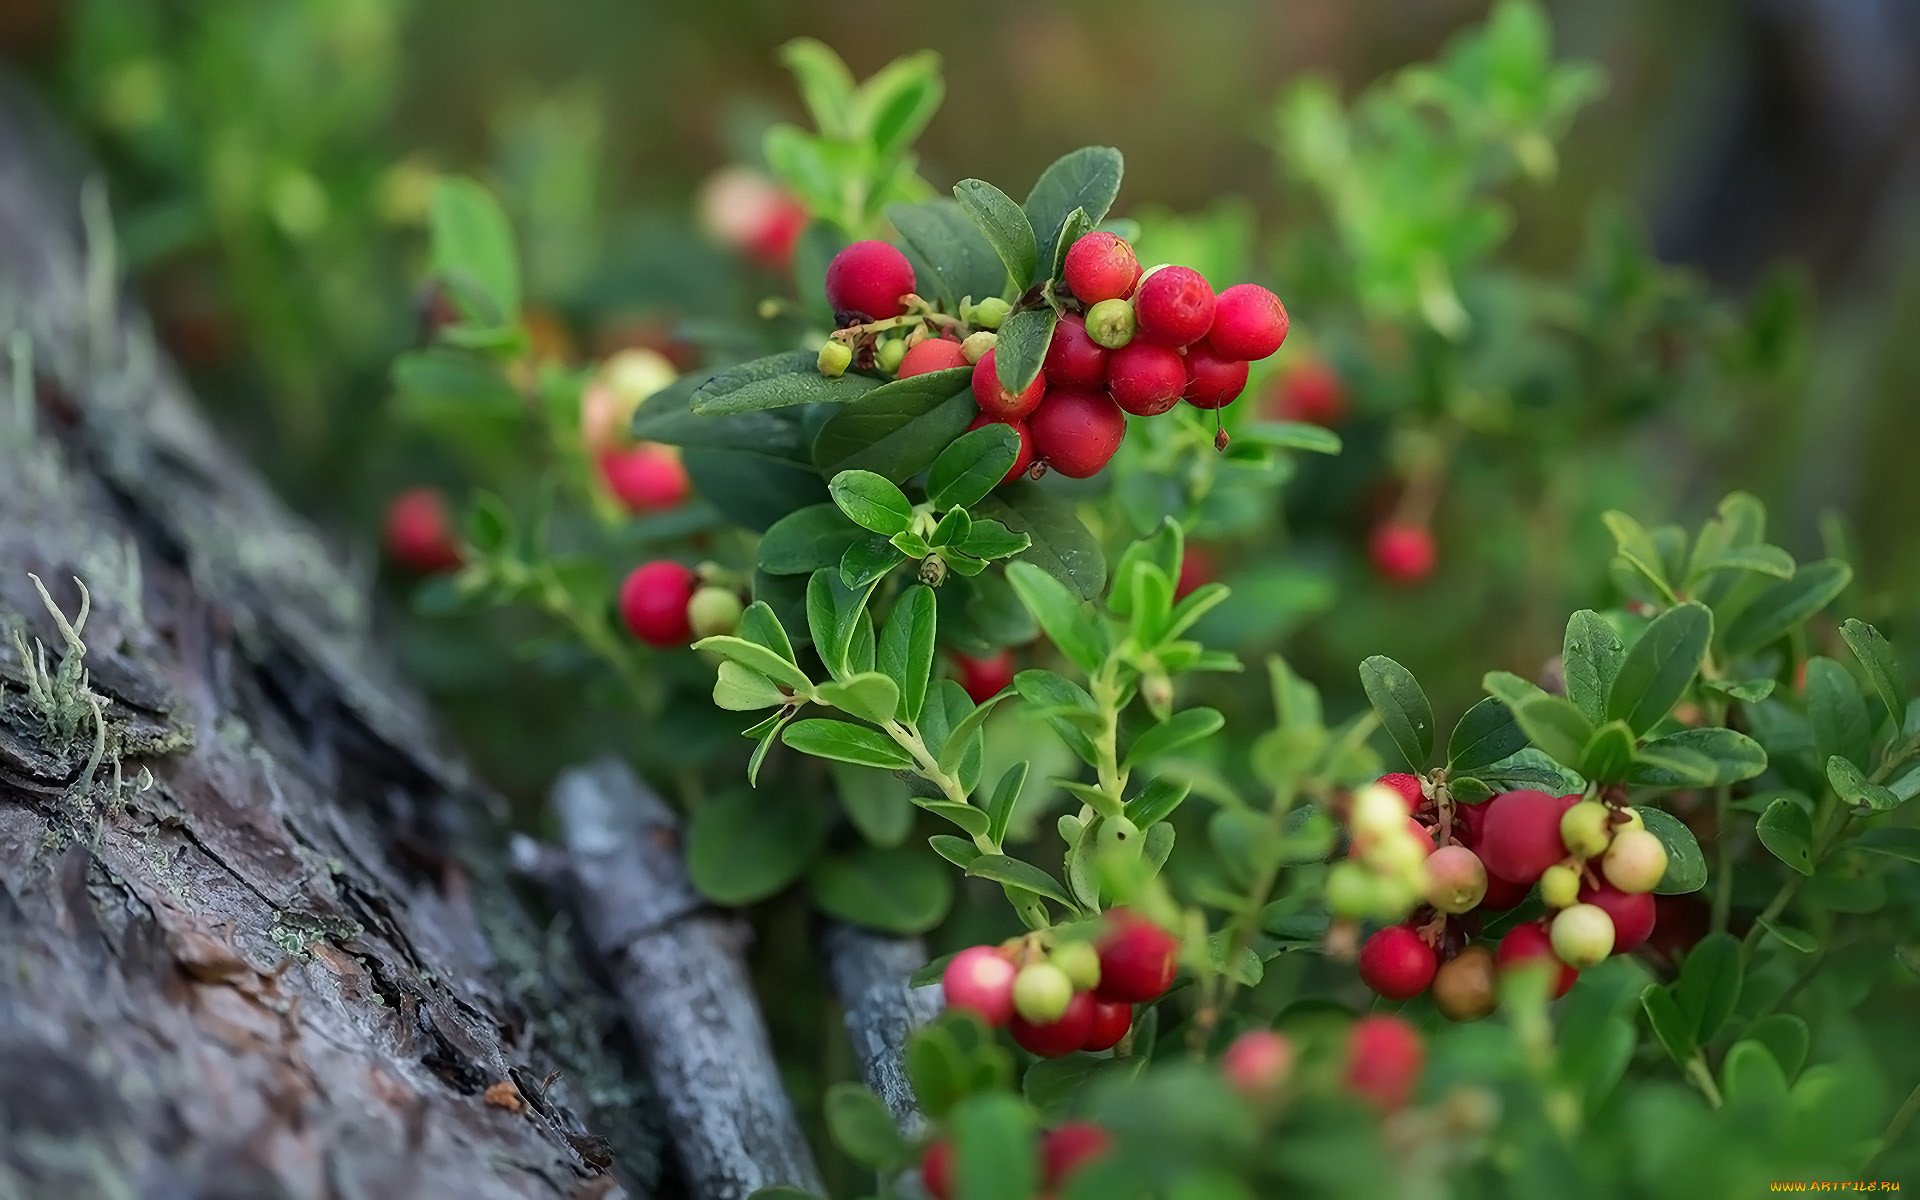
[(1196, 571), (1249, 322), (1520, 835), (1070, 1147), (979, 979), (653, 602), (1077, 432), (1074, 360), (1408, 786), (934, 354), (1311, 392), (1503, 895), (1384, 1060), (1402, 554), (1138, 959), (869, 280), (1146, 378), (1258, 1064), (1528, 945), (1632, 913), (993, 397), (1456, 880), (1058, 1038), (936, 1170), (420, 534), (984, 677), (1174, 306), (1395, 963), (1023, 458), (1100, 266), (646, 478), (1212, 381), (1110, 1023)]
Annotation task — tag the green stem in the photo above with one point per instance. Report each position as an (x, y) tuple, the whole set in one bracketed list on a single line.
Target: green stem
[(1895, 1128), (1702, 1078), (1105, 689)]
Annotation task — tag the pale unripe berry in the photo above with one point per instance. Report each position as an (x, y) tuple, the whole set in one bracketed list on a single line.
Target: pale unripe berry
[(977, 345), (1560, 886), (1456, 879), (1042, 991), (835, 357), (1582, 936), (1081, 962), (1636, 862), (1378, 812), (1351, 891), (887, 355), (989, 313), (1110, 323), (1586, 828), (714, 611), (1634, 819)]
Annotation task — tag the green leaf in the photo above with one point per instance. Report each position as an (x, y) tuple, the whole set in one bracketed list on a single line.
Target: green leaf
[(870, 696), (1671, 1028), (1087, 179), (744, 846), (877, 802), (844, 742), (1837, 712), (1403, 708), (1876, 657), (1054, 260), (1759, 558), (898, 890), (1783, 605), (1486, 734), (1853, 787), (809, 540), (953, 259), (1590, 658), (1728, 757), (737, 689), (1069, 623), (1006, 795), (1012, 872), (1793, 939), (769, 732), (990, 541), (1064, 704), (768, 436), (1787, 830), (1004, 225), (834, 613), (1709, 985), (906, 648), (872, 502), (956, 850), (825, 85), (867, 561), (862, 1127), (895, 105), (1659, 667), (966, 816), (1157, 801), (760, 626), (1784, 1036), (1184, 729), (1686, 867), (897, 432), (445, 389), (1748, 691), (1556, 727), (993, 1148), (757, 658), (1062, 546), (1608, 754), (473, 253), (1892, 841), (1634, 544), (960, 739), (1294, 435), (778, 381), (1022, 347), (972, 466)]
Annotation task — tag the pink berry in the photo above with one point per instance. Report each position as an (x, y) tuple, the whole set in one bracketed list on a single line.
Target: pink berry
[(1258, 1064), (1146, 378), (1311, 392), (1409, 788), (869, 280), (1396, 964), (646, 478), (1073, 358), (1138, 959), (1384, 1060), (1402, 554), (1520, 835), (1056, 1039), (420, 532), (979, 979), (1527, 944), (1077, 432), (653, 602), (1174, 306), (1101, 266), (1196, 571), (1503, 895), (936, 1170), (1070, 1147), (1023, 458), (1249, 322), (934, 354), (1111, 1020), (984, 677), (993, 397), (1212, 381), (1632, 913)]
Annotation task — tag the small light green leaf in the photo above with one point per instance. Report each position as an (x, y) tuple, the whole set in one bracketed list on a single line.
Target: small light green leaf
[(1556, 727), (1787, 830), (1853, 787), (872, 502), (1876, 657), (1006, 795), (960, 737), (473, 251), (845, 742), (990, 540), (738, 689), (1633, 543), (1012, 872), (905, 651), (870, 696), (1069, 622), (1590, 658), (758, 658), (1184, 729)]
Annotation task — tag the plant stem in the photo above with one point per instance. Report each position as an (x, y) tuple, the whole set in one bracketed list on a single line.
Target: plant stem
[(1105, 689), (1702, 1078), (1895, 1128)]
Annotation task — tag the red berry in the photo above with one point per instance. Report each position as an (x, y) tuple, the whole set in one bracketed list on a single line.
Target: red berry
[(1503, 895), (1258, 1063), (1396, 964), (653, 602), (1520, 835), (936, 1170), (646, 478), (1174, 306), (771, 244), (1101, 266), (1077, 433), (1023, 458), (979, 979), (1073, 358), (1138, 959), (1056, 1039), (934, 354), (1196, 571), (1213, 382), (1249, 322), (1632, 913), (1468, 821), (1409, 788), (1070, 1147), (1146, 378), (1402, 553), (1312, 393), (420, 532), (1110, 1024), (1384, 1059), (993, 397), (1530, 943), (869, 280), (984, 677)]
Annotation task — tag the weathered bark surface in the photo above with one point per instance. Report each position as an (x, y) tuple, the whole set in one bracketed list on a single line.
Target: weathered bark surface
[(870, 973), (256, 938)]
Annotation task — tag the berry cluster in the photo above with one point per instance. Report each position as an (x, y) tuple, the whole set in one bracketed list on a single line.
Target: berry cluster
[(1063, 1151), (1595, 866), (1069, 996), (1129, 343), (665, 603), (1382, 1065)]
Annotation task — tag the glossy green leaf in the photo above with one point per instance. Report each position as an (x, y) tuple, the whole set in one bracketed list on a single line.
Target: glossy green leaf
[(1785, 604), (1486, 734), (1022, 347), (779, 381), (1003, 223), (1590, 658), (844, 742), (1709, 986), (757, 658), (1403, 708), (905, 651), (1698, 758), (1671, 1027), (972, 466), (806, 541), (1087, 179), (1787, 830), (1013, 872), (1686, 867), (951, 258), (1853, 787), (1182, 730), (1062, 546), (1660, 666), (870, 695), (899, 431), (1877, 658), (1069, 622), (871, 502)]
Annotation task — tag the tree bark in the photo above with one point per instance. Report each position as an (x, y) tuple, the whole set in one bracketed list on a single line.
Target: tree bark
[(257, 937)]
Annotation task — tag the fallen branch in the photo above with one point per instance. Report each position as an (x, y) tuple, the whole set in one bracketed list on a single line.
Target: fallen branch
[(869, 972)]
